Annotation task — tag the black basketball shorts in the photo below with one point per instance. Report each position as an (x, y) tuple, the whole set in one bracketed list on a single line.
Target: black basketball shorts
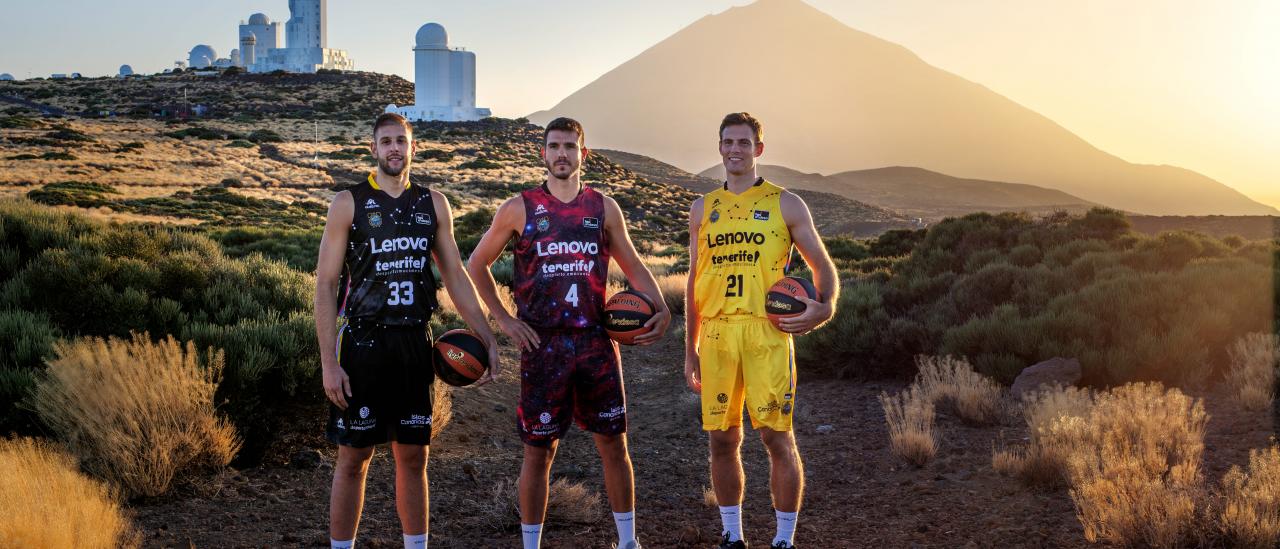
[(391, 376)]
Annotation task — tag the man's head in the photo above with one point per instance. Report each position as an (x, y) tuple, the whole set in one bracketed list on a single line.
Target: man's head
[(392, 145), (741, 141), (563, 147)]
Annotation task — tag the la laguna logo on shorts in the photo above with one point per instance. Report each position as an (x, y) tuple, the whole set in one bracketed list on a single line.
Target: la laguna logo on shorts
[(544, 417), (422, 218), (591, 223), (364, 412), (543, 224), (375, 219)]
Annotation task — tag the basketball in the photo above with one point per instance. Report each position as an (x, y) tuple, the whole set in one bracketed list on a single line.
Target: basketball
[(460, 358), (781, 301), (625, 314)]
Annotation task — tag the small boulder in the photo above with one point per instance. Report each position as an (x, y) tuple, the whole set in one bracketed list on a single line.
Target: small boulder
[(826, 429), (306, 459), (1060, 371)]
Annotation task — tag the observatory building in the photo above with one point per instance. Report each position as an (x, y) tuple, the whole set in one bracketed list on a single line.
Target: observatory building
[(444, 86), (202, 56), (125, 70), (306, 42), (259, 35), (305, 47), (6, 76)]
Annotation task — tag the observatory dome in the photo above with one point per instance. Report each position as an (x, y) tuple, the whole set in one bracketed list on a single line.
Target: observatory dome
[(201, 56), (432, 35), (259, 19)]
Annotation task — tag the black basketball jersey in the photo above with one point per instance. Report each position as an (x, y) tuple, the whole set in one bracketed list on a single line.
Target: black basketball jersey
[(386, 277)]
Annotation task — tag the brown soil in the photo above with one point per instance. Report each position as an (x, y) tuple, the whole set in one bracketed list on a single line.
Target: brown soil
[(858, 495)]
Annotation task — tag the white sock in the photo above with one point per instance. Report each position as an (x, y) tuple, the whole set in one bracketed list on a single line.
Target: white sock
[(418, 541), (532, 535), (335, 544), (786, 527), (731, 517), (626, 527)]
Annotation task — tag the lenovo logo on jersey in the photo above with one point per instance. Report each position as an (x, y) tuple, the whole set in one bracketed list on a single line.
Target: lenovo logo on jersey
[(575, 247), (739, 237), (399, 244)]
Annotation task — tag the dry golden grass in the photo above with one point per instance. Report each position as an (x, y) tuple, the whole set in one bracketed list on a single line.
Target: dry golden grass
[(570, 501), (658, 265), (1252, 377), (1056, 421), (709, 497), (441, 407), (1135, 476), (47, 502), (673, 288), (1251, 509), (909, 415), (136, 413), (952, 382)]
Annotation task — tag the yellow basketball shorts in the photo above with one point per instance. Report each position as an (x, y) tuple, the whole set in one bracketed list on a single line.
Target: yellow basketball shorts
[(746, 360)]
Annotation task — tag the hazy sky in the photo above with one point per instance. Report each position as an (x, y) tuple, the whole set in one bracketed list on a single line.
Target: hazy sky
[(1184, 82)]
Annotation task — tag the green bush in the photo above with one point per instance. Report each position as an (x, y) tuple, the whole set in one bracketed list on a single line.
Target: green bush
[(265, 136), (76, 277), (1007, 291), (479, 164)]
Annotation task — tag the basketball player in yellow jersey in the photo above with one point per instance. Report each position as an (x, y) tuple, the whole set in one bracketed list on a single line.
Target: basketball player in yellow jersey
[(740, 239)]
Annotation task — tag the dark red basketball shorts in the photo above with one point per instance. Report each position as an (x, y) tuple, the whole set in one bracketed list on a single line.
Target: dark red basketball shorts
[(575, 374)]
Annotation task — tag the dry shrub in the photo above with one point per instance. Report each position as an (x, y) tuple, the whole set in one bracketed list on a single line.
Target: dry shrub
[(441, 407), (1252, 377), (1056, 422), (1251, 509), (570, 501), (1135, 475), (136, 413), (910, 418), (673, 288), (47, 502), (709, 497), (952, 382)]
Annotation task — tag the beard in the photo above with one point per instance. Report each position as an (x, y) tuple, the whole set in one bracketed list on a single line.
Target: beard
[(386, 168), (551, 169)]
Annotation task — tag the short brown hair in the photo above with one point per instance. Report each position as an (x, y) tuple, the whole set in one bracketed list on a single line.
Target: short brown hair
[(565, 124), (389, 119), (741, 118)]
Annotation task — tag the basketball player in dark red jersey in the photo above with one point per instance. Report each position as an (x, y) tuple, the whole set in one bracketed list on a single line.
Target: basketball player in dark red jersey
[(565, 234), (375, 293)]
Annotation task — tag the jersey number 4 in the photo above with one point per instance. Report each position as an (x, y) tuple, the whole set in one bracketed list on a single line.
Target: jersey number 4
[(735, 286), (572, 296), (401, 293)]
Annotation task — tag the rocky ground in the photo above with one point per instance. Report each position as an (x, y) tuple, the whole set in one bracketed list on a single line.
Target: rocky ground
[(858, 495)]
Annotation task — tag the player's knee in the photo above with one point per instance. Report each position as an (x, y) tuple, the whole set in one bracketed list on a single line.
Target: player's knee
[(725, 443), (780, 444), (408, 460), (353, 462), (539, 457), (612, 446)]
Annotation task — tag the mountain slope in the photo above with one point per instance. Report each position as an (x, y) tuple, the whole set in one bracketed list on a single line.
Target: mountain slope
[(922, 193), (832, 214), (834, 99)]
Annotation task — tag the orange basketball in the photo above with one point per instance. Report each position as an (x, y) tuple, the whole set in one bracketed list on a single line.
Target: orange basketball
[(460, 358), (625, 314), (781, 300)]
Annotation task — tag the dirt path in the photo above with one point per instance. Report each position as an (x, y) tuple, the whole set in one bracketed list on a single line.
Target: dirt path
[(858, 495)]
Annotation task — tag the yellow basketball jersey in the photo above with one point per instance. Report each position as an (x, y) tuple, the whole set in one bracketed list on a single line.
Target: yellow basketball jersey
[(743, 248)]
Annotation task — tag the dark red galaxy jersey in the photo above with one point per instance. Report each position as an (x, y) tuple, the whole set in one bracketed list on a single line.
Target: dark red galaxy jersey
[(561, 260)]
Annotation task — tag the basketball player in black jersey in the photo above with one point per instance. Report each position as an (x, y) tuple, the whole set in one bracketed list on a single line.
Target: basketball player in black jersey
[(375, 293)]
